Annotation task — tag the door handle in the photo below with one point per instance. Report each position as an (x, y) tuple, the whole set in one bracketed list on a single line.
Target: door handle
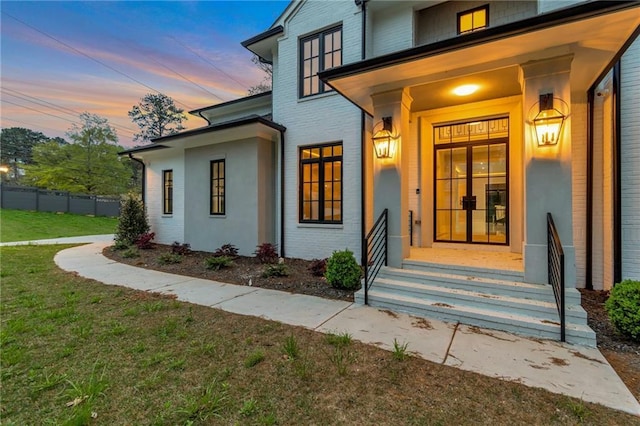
[(472, 202)]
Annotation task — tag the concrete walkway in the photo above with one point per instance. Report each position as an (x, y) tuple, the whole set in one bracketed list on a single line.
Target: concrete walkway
[(561, 368)]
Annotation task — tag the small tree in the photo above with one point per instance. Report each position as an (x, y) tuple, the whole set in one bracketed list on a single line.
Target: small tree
[(132, 221)]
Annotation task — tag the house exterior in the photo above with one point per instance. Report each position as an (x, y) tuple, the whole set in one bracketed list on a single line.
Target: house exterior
[(442, 115)]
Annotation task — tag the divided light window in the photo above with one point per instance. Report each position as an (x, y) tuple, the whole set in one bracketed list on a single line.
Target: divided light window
[(167, 193), (217, 204), (474, 19), (319, 52), (321, 183)]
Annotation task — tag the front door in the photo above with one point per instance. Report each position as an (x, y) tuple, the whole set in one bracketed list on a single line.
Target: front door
[(471, 182)]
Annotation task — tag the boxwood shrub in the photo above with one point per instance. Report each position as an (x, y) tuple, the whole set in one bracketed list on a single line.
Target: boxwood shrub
[(623, 307), (343, 270)]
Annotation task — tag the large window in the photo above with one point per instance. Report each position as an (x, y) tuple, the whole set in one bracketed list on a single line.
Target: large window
[(167, 193), (474, 19), (321, 183), (217, 206), (319, 52)]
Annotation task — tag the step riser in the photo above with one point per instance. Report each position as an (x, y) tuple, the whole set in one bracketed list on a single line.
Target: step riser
[(541, 293), (497, 304), (461, 270), (545, 331)]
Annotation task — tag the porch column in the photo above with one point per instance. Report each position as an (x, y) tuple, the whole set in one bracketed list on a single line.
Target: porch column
[(391, 177), (547, 176)]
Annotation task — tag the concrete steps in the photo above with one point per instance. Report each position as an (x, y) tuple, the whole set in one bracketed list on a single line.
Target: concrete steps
[(479, 296)]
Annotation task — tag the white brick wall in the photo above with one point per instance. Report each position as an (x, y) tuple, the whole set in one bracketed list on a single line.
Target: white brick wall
[(550, 5), (168, 228), (579, 187), (319, 119), (392, 29), (630, 167)]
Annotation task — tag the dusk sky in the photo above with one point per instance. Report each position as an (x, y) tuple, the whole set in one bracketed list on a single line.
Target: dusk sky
[(63, 58)]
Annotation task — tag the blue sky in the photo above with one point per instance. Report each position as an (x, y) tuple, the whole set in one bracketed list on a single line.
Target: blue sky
[(59, 58)]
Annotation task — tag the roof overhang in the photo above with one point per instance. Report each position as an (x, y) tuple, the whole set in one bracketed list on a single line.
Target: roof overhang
[(594, 33), (244, 128), (262, 44)]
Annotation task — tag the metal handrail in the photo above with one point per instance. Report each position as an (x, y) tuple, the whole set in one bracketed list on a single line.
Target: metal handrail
[(374, 252), (555, 267)]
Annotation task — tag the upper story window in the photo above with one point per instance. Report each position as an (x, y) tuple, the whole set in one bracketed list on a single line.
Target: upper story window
[(319, 52), (167, 194), (217, 199), (474, 19)]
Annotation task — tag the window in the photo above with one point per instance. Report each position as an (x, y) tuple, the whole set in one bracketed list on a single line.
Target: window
[(217, 206), (319, 52), (321, 183), (167, 193), (474, 19)]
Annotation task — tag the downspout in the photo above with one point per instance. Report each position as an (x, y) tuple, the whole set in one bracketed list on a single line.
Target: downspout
[(144, 175), (204, 118), (589, 237), (281, 193), (617, 178), (363, 143)]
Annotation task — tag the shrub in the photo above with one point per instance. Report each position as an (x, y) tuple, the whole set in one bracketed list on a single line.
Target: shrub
[(276, 270), (228, 250), (130, 253), (120, 245), (318, 267), (169, 259), (623, 307), (181, 249), (217, 263), (343, 270), (267, 253), (132, 221), (143, 242)]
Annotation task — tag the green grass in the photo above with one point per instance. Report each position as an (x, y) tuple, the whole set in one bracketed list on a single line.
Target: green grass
[(20, 225), (132, 357)]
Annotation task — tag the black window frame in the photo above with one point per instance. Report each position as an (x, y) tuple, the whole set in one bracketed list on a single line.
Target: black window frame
[(322, 87), (471, 12), (215, 191), (321, 161), (167, 191)]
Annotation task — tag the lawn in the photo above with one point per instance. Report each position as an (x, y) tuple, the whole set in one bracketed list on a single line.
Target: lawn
[(73, 348), (21, 225)]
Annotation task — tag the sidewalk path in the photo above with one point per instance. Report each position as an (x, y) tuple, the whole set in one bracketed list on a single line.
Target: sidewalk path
[(106, 238), (561, 368)]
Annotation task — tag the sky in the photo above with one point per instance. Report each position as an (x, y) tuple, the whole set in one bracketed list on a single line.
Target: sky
[(59, 59)]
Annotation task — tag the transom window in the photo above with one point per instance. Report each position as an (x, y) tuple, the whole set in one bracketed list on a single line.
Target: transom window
[(167, 193), (319, 52), (474, 19), (321, 183), (217, 188)]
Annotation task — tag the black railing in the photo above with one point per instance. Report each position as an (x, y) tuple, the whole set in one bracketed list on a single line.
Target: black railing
[(374, 252), (555, 261), (411, 228)]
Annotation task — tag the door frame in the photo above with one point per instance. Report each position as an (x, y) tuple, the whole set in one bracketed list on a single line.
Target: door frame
[(422, 128)]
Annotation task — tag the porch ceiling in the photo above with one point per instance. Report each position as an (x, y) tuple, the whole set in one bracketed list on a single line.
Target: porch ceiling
[(494, 58)]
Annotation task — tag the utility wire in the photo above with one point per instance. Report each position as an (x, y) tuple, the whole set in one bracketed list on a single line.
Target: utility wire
[(29, 124), (41, 112), (88, 56), (186, 78), (243, 85)]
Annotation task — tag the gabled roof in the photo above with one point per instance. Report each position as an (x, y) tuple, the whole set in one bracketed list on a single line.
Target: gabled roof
[(262, 43)]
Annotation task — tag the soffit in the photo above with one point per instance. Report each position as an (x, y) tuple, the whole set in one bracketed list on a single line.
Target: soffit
[(594, 42)]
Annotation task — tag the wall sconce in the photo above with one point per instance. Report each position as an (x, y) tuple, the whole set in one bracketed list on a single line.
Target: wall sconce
[(385, 138), (548, 122)]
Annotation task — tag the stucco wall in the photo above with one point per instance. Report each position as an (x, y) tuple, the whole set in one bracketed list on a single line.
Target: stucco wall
[(168, 228), (630, 167), (244, 223), (314, 120)]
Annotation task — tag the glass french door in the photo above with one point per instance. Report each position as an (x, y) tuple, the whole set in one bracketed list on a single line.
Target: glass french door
[(471, 182)]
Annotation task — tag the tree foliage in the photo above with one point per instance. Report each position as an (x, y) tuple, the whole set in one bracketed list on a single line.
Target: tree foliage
[(156, 115), (132, 222), (16, 150), (89, 164), (266, 83)]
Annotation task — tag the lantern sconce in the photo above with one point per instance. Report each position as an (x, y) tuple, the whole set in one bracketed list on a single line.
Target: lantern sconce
[(385, 138), (549, 121)]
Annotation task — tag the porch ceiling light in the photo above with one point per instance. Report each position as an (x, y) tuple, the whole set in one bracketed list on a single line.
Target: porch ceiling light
[(548, 122), (466, 89), (385, 138)]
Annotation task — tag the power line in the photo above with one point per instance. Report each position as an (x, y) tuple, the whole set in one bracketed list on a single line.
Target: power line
[(29, 124), (41, 112), (56, 107), (186, 78), (243, 85), (88, 56)]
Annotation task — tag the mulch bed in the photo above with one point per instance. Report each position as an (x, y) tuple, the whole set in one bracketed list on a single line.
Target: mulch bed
[(245, 271)]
